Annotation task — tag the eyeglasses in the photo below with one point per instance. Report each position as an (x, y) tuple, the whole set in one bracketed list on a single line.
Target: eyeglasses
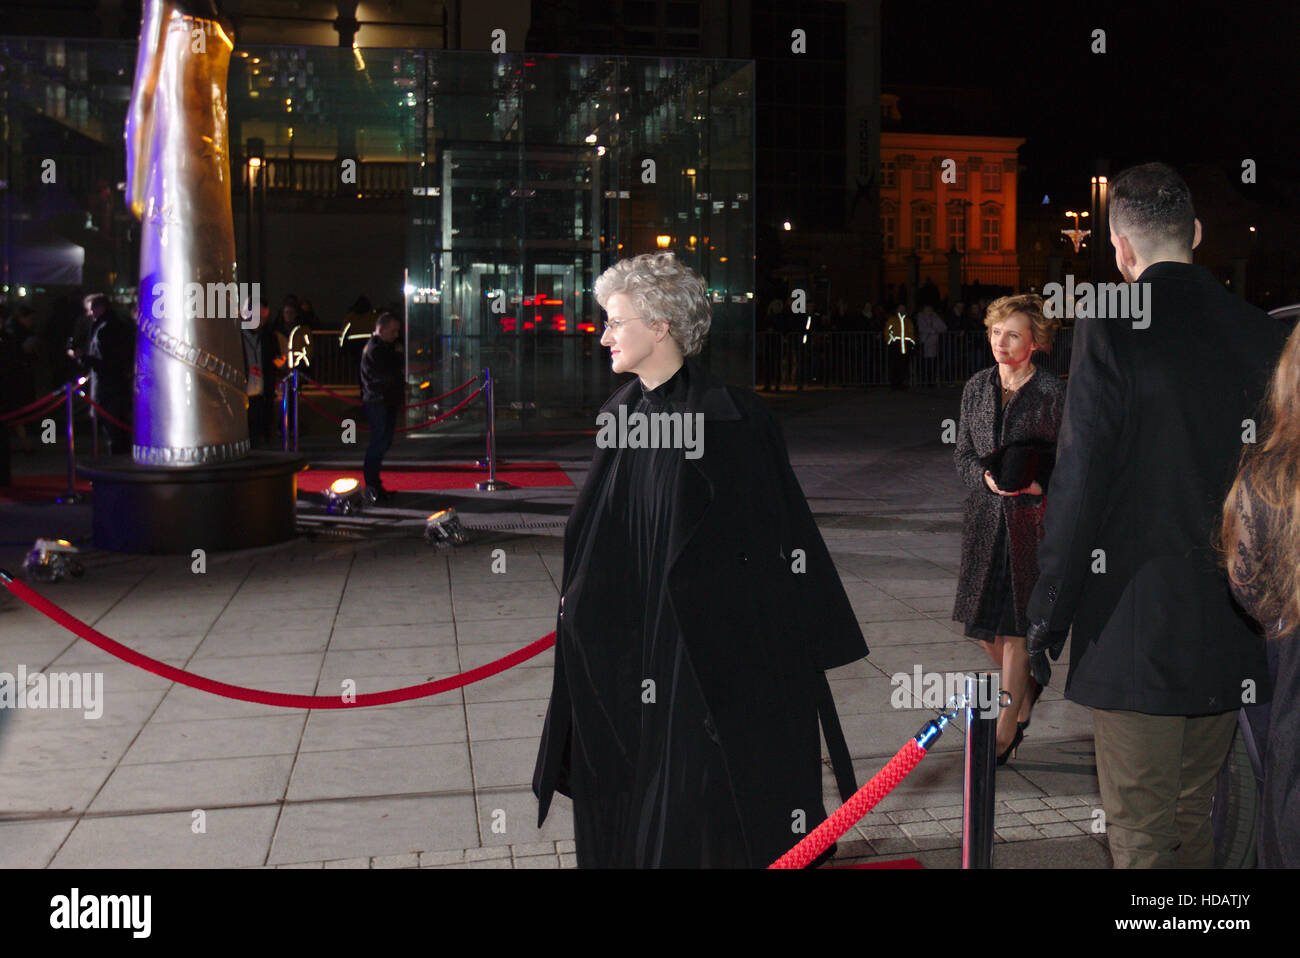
[(618, 324)]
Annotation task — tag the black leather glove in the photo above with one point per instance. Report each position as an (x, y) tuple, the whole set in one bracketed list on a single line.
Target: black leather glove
[(1039, 642)]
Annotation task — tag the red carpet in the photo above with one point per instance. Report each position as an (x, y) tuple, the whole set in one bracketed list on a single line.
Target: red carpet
[(441, 477), (39, 488)]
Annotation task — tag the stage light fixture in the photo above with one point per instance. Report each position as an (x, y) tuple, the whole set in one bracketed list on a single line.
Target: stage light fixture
[(52, 560), (343, 497), (444, 529)]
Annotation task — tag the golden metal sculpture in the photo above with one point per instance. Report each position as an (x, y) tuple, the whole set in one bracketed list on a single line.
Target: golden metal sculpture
[(191, 401)]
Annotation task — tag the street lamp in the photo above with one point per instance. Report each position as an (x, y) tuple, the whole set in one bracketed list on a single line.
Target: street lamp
[(1076, 235)]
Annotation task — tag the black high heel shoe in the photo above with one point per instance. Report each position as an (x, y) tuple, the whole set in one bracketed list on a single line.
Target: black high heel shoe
[(1033, 699), (1015, 743)]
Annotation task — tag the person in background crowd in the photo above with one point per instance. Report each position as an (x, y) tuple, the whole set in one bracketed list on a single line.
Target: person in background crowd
[(273, 363), (382, 391), (929, 328), (357, 324), (110, 358), (18, 347), (1015, 409), (1260, 534), (259, 405), (1152, 433), (900, 346), (307, 316), (977, 356)]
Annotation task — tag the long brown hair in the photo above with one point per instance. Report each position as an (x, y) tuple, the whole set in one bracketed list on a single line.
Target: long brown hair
[(1274, 483)]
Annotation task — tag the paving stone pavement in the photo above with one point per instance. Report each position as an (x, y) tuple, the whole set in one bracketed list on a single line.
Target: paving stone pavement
[(171, 776)]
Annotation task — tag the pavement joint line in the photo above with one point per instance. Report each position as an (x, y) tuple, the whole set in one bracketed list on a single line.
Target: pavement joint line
[(302, 732)]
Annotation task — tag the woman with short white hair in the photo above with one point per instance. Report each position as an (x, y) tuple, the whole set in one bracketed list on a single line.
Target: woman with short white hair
[(699, 610)]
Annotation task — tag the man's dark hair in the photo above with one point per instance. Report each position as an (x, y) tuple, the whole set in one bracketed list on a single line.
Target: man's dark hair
[(383, 319), (95, 299), (1152, 201)]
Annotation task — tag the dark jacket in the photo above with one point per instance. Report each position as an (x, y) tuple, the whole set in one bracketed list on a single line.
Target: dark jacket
[(110, 357), (382, 372), (1150, 441), (1034, 414), (759, 635)]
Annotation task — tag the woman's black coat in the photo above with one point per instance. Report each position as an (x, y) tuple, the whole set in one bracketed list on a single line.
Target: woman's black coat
[(1032, 414), (759, 635)]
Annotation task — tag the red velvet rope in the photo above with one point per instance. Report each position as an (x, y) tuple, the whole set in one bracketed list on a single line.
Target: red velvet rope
[(282, 699), (450, 412), (105, 413), (319, 411), (862, 801), (329, 392), (411, 405), (419, 425), (46, 404)]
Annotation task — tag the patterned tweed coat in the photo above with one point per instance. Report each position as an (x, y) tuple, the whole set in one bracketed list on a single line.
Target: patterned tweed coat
[(1033, 413)]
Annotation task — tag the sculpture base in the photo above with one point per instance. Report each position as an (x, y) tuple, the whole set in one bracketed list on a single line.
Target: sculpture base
[(244, 504)]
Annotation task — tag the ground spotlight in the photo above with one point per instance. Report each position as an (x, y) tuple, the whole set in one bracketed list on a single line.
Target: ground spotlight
[(343, 497), (52, 560), (444, 529)]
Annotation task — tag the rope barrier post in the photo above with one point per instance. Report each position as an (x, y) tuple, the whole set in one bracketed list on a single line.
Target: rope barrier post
[(296, 387), (979, 788), (492, 484), (284, 414), (72, 496)]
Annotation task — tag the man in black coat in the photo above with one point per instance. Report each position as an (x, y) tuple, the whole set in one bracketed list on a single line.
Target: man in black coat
[(1157, 409), (110, 357), (382, 389)]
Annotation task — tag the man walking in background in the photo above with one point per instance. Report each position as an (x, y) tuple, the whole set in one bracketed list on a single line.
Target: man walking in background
[(1158, 407), (110, 357), (382, 375)]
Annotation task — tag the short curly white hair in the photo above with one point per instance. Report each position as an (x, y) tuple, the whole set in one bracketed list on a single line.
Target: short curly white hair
[(662, 289)]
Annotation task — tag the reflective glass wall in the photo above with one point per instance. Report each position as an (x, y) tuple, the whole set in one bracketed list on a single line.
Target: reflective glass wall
[(479, 195)]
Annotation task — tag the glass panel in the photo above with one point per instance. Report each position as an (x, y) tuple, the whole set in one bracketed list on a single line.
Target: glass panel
[(478, 196)]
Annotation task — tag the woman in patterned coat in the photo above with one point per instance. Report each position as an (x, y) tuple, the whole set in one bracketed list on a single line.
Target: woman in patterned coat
[(1013, 408)]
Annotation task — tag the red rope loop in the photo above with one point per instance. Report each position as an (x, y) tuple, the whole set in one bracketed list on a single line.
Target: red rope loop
[(113, 420), (412, 405), (862, 801), (282, 699), (46, 404), (450, 412), (319, 411), (329, 392), (451, 392)]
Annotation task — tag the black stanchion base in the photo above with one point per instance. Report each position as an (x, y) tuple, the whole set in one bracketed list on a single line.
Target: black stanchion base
[(235, 505)]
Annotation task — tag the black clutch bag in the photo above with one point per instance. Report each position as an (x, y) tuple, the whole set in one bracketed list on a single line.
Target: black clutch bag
[(1017, 464)]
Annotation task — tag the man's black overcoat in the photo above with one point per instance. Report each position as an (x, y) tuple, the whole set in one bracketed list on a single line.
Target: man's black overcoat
[(758, 634), (1152, 433)]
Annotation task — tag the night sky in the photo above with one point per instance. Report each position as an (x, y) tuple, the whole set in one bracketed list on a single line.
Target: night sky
[(1187, 82)]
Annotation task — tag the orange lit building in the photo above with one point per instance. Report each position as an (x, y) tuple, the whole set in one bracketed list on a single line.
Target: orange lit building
[(944, 193)]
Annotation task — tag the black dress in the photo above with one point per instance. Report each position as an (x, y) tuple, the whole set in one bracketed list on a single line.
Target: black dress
[(996, 613), (645, 794)]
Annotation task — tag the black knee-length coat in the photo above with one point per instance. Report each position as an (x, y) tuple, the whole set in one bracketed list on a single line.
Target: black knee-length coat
[(1034, 414), (759, 635)]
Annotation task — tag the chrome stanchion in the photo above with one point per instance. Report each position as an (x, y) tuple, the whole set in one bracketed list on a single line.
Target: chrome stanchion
[(72, 495), (983, 702), (492, 484), (284, 414), (296, 386)]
